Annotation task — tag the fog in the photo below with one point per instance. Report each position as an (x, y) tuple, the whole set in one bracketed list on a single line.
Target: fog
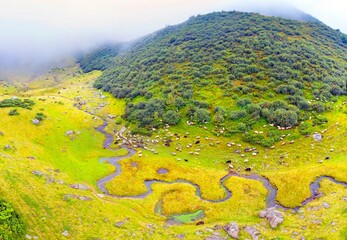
[(39, 31)]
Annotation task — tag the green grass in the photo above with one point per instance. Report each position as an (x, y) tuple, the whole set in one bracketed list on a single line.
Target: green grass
[(47, 215), (189, 217)]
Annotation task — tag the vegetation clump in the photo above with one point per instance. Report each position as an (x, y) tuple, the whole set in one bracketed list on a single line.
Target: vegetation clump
[(234, 61), (13, 112), (40, 116), (16, 102), (12, 225)]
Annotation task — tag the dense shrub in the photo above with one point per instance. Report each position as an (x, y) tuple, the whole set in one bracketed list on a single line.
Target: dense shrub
[(218, 58), (40, 116), (243, 102), (13, 112), (171, 117), (16, 102), (318, 107), (235, 115), (12, 225), (202, 115)]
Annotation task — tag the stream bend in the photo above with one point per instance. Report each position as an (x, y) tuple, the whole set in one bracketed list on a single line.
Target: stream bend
[(270, 199)]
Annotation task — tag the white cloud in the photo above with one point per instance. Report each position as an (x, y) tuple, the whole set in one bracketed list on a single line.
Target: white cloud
[(39, 28)]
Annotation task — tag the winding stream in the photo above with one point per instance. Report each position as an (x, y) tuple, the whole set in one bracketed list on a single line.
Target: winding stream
[(270, 199)]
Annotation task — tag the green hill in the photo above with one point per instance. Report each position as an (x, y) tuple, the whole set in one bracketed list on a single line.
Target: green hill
[(231, 69)]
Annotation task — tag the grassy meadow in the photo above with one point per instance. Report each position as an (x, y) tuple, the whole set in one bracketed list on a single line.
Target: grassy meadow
[(44, 200)]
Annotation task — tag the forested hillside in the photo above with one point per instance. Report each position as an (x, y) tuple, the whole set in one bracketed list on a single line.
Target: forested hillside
[(101, 58), (231, 69)]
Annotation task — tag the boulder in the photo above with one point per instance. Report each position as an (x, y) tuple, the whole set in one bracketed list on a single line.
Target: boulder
[(326, 205), (65, 233), (37, 173), (273, 216), (8, 147), (119, 224), (232, 229), (317, 137), (84, 198), (69, 133), (180, 236), (79, 186), (35, 121), (253, 232)]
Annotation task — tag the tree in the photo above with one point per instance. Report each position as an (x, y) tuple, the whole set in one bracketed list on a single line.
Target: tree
[(218, 118), (284, 118), (171, 117), (202, 115), (319, 107)]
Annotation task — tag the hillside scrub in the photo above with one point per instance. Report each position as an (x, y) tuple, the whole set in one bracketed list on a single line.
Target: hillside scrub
[(238, 61)]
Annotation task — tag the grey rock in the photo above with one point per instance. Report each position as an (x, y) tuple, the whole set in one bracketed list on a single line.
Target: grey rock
[(84, 198), (253, 232), (172, 222), (317, 221), (28, 236), (119, 224), (180, 236), (214, 237), (8, 147), (65, 233), (233, 230), (344, 198), (62, 182), (69, 196), (326, 205), (79, 186), (69, 132), (317, 137), (217, 227), (50, 180), (37, 173), (273, 216), (35, 121)]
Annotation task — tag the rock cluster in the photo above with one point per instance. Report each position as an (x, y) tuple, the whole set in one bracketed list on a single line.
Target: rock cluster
[(79, 186), (253, 232), (232, 229), (273, 216), (37, 173), (82, 198)]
